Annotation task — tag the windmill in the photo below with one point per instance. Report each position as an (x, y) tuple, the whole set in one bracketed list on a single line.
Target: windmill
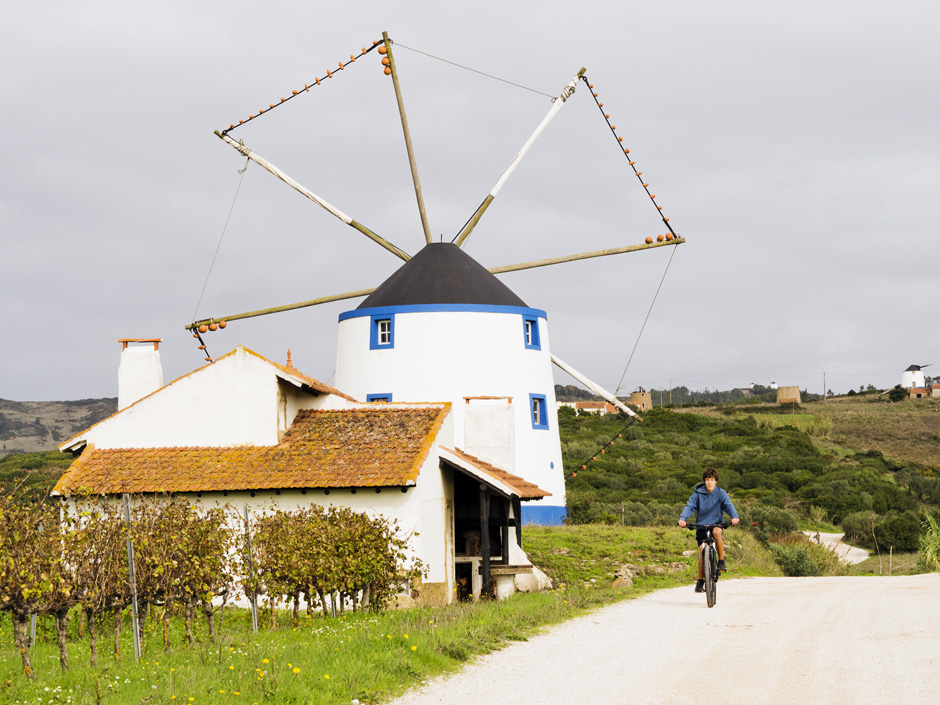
[(444, 328)]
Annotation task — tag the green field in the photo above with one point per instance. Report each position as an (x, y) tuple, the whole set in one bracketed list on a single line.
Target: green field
[(363, 656)]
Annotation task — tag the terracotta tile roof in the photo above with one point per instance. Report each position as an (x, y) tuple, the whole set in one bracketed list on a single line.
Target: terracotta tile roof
[(520, 486), (374, 447)]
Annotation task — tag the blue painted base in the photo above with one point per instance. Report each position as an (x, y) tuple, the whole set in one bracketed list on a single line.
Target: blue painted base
[(543, 515)]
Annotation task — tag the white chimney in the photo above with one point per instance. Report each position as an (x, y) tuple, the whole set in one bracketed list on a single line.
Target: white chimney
[(140, 372)]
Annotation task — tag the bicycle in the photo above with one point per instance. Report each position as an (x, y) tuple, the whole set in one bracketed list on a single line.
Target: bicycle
[(709, 561)]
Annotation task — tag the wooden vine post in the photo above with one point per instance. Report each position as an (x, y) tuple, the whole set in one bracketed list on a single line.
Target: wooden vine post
[(253, 598), (132, 579)]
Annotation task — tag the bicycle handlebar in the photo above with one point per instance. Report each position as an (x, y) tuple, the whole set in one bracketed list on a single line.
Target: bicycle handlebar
[(722, 525)]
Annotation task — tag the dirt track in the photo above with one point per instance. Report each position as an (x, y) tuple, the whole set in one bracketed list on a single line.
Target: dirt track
[(772, 640)]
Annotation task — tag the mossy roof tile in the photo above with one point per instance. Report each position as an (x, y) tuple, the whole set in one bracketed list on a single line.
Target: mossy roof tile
[(374, 447)]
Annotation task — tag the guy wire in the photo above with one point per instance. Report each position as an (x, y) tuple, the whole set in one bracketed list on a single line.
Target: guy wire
[(643, 327), (219, 246), (467, 68)]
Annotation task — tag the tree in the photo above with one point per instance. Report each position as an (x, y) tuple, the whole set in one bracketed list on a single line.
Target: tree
[(898, 393)]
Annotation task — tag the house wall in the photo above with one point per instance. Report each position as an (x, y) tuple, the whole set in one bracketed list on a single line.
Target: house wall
[(641, 400), (423, 513), (787, 395), (489, 432), (912, 378), (237, 400), (443, 354)]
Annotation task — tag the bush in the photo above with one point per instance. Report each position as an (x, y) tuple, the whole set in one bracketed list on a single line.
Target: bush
[(857, 527), (898, 393), (901, 531), (796, 561), (773, 520), (930, 545)]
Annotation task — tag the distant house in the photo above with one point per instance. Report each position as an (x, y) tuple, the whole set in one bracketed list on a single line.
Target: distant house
[(641, 399), (920, 392), (253, 434), (599, 408), (788, 395)]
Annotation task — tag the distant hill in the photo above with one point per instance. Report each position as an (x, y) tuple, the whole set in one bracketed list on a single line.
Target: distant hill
[(32, 426)]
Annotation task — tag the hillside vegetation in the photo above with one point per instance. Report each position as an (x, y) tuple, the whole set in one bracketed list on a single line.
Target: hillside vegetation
[(32, 426), (780, 468), (906, 431)]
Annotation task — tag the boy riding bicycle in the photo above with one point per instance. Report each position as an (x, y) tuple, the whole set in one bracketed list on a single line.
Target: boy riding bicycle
[(709, 503)]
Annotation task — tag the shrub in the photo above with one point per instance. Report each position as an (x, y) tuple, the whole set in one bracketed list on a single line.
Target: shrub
[(858, 525), (795, 561), (898, 393), (773, 520), (900, 531), (930, 544)]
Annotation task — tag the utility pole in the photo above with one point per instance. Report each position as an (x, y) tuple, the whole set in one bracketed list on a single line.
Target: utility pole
[(824, 387)]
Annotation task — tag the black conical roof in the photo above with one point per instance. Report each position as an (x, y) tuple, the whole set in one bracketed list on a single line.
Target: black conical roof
[(442, 273)]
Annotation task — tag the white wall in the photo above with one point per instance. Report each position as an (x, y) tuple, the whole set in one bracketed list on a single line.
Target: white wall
[(446, 356), (233, 401)]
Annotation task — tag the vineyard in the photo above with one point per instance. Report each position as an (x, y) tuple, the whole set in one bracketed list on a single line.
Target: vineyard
[(177, 561)]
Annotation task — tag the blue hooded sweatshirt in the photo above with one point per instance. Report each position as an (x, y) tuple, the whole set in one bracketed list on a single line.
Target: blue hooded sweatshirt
[(708, 506)]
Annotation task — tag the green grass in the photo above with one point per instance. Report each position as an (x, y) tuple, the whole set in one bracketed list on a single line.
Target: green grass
[(887, 564), (363, 656)]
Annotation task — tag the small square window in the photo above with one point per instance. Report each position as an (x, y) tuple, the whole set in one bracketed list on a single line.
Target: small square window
[(530, 329), (387, 397), (539, 411), (382, 332), (385, 331)]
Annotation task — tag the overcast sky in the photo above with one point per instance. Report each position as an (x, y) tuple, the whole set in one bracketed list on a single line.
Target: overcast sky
[(794, 145)]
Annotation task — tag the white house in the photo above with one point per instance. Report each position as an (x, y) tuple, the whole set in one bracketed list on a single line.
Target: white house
[(248, 432)]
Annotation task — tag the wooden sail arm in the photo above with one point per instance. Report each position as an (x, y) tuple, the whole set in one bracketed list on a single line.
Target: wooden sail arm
[(279, 309), (596, 388), (584, 255), (268, 166), (422, 211), (553, 111), (366, 292)]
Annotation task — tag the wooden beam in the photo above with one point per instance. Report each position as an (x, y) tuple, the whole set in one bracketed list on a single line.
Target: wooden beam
[(557, 104), (278, 309), (585, 255), (487, 589), (504, 529), (594, 387), (268, 166), (494, 270), (404, 126)]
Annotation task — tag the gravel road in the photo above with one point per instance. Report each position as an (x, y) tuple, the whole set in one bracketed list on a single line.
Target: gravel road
[(849, 554), (769, 641)]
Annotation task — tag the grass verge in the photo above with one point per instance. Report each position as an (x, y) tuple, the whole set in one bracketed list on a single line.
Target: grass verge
[(362, 657)]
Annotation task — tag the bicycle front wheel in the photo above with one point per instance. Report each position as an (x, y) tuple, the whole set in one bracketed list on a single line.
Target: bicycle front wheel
[(710, 573)]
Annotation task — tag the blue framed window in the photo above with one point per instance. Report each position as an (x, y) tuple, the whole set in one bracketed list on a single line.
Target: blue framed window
[(379, 397), (382, 331), (539, 411), (530, 329)]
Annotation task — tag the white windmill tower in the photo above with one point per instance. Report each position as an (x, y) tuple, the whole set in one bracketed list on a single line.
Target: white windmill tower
[(444, 328), (913, 377)]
